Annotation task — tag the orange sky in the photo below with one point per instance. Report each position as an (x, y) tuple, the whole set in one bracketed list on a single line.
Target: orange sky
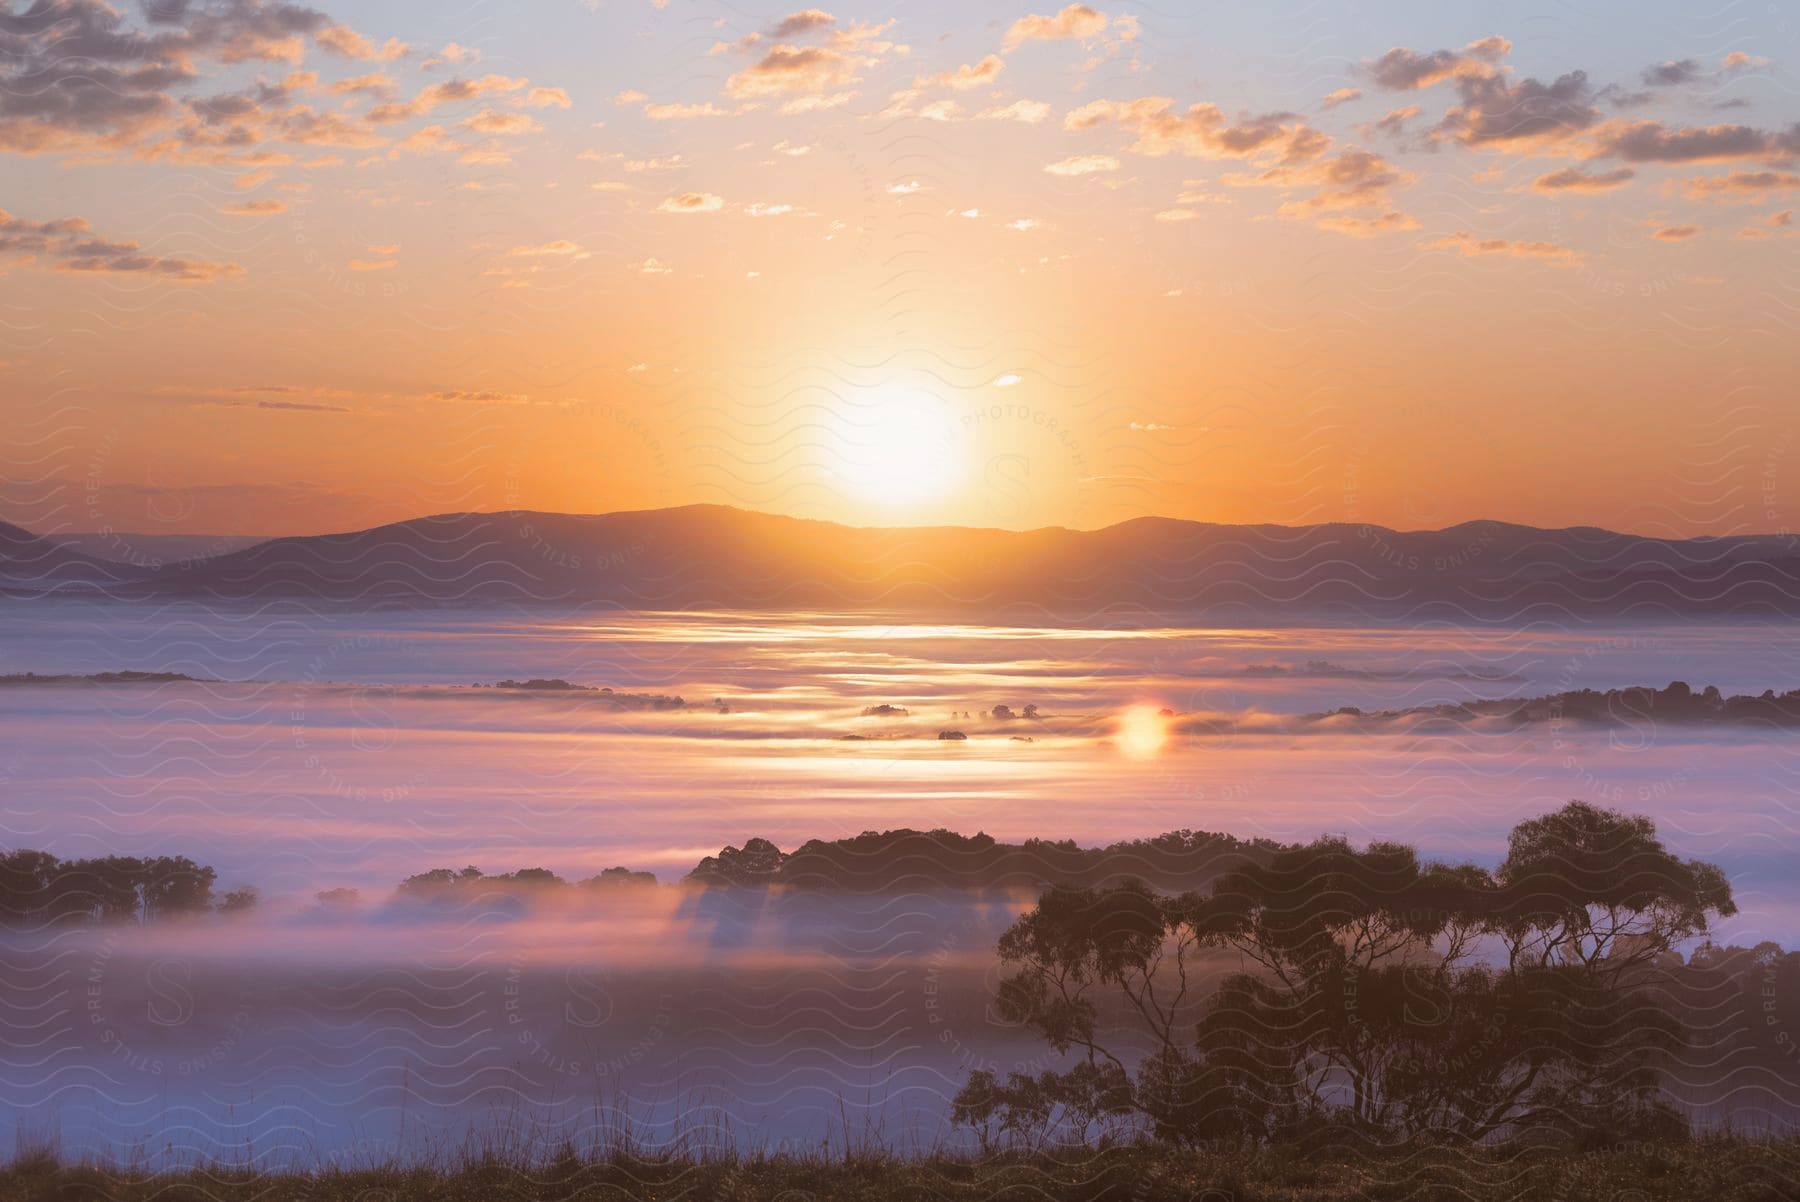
[(268, 272)]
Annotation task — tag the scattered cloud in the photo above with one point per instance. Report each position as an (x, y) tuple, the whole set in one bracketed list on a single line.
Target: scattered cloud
[(1083, 164), (1469, 247), (1026, 112), (69, 244), (255, 208), (966, 77), (1073, 21), (1403, 70), (1750, 187), (692, 202), (1575, 179), (1203, 131), (561, 248)]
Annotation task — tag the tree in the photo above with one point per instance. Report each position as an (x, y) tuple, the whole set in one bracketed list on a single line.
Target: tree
[(239, 901), (1391, 996)]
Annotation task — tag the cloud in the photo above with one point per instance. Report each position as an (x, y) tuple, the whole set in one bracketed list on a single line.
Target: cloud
[(1074, 21), (1083, 164), (493, 121), (1027, 112), (1574, 179), (69, 244), (1403, 70), (453, 55), (790, 70), (1470, 247), (373, 84), (1392, 222), (561, 248), (1176, 215), (652, 267), (1676, 233), (346, 42), (1394, 121), (1341, 96), (428, 139), (373, 264), (1351, 178), (966, 77), (1653, 142), (803, 22), (451, 91), (685, 112), (78, 77), (302, 407), (817, 104), (1671, 73), (1522, 114), (1748, 187), (545, 98), (692, 202), (666, 162), (1203, 131), (255, 208)]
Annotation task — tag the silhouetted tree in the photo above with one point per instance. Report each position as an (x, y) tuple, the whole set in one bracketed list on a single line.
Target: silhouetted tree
[(1386, 995)]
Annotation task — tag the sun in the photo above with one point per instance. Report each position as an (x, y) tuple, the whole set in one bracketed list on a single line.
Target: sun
[(1142, 731), (896, 444)]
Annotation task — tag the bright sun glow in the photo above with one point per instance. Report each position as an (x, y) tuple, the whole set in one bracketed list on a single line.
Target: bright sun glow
[(896, 444), (1142, 731)]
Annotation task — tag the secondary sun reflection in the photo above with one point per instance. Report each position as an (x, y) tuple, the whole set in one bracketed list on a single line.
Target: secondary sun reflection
[(1142, 731)]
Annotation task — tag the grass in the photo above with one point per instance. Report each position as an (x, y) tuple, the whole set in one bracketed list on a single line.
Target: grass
[(1713, 1169)]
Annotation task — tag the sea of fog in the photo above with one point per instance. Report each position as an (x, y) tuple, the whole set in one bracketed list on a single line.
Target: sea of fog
[(349, 750)]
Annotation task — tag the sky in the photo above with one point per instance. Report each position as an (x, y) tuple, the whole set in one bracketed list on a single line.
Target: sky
[(270, 269)]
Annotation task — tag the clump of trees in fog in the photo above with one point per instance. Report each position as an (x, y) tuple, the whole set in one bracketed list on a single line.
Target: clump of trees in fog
[(1375, 995), (37, 887)]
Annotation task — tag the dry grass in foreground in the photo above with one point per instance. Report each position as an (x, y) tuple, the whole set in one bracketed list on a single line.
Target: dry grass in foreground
[(1717, 1169)]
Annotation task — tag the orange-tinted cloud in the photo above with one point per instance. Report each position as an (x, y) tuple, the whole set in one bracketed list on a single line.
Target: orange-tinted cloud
[(1403, 70), (965, 77), (1073, 21), (1574, 179), (1749, 187), (1470, 247), (1203, 131), (69, 244)]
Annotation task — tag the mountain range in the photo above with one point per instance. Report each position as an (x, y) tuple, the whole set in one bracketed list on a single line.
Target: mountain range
[(717, 557)]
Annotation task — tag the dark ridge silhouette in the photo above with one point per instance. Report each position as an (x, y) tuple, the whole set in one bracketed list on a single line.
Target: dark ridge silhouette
[(30, 563), (154, 550), (906, 860), (1676, 704), (471, 884), (123, 677), (642, 701), (711, 556)]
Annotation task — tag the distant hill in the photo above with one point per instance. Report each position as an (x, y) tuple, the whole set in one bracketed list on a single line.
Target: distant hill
[(710, 556), (154, 550), (33, 564)]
